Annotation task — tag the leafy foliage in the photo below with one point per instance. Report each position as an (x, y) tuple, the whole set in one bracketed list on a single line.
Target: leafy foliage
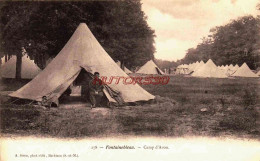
[(234, 43), (43, 28), (165, 64)]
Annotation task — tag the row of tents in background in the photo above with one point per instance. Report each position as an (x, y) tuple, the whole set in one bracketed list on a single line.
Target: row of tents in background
[(209, 69), (197, 69), (30, 69)]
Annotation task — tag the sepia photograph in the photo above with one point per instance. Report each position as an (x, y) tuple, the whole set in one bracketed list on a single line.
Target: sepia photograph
[(130, 80)]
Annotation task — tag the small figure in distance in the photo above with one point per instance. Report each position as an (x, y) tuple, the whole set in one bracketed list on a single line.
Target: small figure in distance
[(45, 103)]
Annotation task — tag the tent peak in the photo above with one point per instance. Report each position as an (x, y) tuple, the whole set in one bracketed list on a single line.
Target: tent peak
[(83, 24)]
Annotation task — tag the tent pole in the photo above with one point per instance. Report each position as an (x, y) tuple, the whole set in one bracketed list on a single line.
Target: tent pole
[(30, 103), (14, 101)]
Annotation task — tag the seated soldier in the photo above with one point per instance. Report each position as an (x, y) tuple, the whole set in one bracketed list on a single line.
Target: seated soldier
[(95, 90), (45, 102)]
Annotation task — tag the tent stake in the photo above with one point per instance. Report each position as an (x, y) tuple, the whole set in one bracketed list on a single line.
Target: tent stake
[(14, 101)]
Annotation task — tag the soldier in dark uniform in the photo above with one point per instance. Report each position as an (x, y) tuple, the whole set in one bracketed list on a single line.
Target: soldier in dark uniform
[(96, 90)]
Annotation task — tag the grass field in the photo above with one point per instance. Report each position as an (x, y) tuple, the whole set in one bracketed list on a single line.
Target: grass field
[(186, 106)]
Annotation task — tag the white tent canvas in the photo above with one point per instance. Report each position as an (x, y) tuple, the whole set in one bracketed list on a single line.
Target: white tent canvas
[(150, 68), (209, 70), (258, 73), (244, 71), (230, 66), (29, 68), (3, 60), (191, 66), (201, 63), (229, 70), (236, 67), (81, 52)]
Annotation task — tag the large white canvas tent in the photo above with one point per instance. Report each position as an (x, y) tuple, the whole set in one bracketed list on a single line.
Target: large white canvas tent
[(209, 70), (150, 68), (126, 70), (258, 73), (244, 71), (82, 52), (28, 71)]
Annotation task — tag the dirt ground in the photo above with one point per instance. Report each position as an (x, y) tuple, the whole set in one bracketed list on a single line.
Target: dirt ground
[(186, 106)]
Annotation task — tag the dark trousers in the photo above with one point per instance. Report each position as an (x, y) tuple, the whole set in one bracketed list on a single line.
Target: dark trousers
[(95, 98)]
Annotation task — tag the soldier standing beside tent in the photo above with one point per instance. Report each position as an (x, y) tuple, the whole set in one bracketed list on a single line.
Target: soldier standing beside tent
[(95, 90)]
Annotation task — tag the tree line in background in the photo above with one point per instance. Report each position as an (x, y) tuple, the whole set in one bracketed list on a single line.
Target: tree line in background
[(43, 28), (234, 43)]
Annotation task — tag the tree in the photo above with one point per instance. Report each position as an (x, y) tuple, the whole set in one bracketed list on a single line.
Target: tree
[(190, 57), (43, 28), (234, 43), (165, 64)]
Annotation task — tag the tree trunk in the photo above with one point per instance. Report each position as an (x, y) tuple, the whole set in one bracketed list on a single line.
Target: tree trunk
[(18, 66), (122, 65), (6, 58), (43, 62)]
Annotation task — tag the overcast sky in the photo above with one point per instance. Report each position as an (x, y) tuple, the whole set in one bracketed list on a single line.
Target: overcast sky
[(180, 24)]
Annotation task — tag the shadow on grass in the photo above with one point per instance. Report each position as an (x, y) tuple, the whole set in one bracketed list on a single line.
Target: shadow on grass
[(18, 118), (240, 120), (139, 125)]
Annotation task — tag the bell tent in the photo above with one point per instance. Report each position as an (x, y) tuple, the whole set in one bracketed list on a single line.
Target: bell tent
[(150, 68), (209, 70), (28, 71), (258, 73), (81, 53), (244, 71)]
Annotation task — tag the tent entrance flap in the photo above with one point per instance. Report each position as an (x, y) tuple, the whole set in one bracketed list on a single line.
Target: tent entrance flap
[(80, 87), (113, 95), (55, 94)]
